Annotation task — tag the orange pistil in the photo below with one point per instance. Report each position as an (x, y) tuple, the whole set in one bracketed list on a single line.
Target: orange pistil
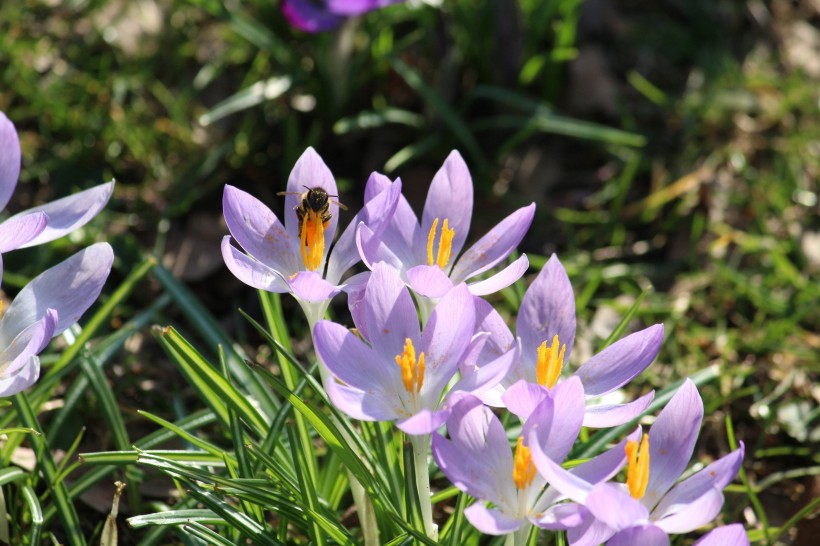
[(445, 244), (412, 370), (523, 467), (550, 362), (637, 470), (312, 239)]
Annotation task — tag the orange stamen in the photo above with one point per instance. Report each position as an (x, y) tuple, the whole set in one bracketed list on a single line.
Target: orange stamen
[(312, 240), (445, 244), (412, 370), (523, 467), (550, 362), (637, 470)]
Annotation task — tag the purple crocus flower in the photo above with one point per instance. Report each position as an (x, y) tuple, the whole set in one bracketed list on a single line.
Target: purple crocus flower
[(47, 222), (45, 307), (649, 506), (322, 15), (398, 372), (478, 460), (728, 535), (293, 257), (427, 254), (546, 329)]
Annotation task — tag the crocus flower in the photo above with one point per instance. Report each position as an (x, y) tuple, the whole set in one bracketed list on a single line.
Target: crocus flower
[(546, 329), (399, 372), (45, 307), (478, 460), (649, 506), (728, 535), (294, 257), (427, 254), (322, 15), (47, 222)]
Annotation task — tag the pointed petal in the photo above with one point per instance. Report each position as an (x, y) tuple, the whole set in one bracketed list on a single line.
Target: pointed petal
[(495, 245), (69, 213), (376, 183), (488, 375), (591, 532), (612, 504), (372, 250), (560, 517), (250, 271), (619, 363), (616, 414), (728, 535), (446, 337), (401, 233), (19, 230), (22, 380), (570, 485), (558, 424), (547, 310), (311, 287), (375, 214), (351, 360), (502, 279), (259, 232), (491, 521), (423, 422), (450, 196), (69, 288), (488, 320), (361, 405), (697, 500), (523, 397), (645, 535), (429, 281), (355, 288), (9, 160), (310, 172), (28, 343), (390, 314), (672, 440)]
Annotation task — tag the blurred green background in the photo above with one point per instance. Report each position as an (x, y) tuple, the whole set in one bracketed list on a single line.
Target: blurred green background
[(670, 144)]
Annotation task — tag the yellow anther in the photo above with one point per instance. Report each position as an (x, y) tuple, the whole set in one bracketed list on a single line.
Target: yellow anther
[(550, 362), (412, 370), (637, 470), (523, 467), (312, 240), (445, 244)]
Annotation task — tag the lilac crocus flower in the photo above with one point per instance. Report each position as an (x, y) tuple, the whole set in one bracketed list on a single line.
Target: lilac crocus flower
[(45, 307), (546, 329), (47, 222), (294, 257), (322, 15), (478, 460), (399, 372), (427, 254), (649, 507), (728, 535)]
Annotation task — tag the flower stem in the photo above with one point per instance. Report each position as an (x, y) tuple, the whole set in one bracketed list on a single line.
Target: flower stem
[(421, 446)]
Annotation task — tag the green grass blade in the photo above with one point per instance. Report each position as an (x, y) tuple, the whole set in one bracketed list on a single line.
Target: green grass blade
[(36, 512)]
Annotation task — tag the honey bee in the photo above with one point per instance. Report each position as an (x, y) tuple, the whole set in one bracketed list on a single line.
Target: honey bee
[(316, 200)]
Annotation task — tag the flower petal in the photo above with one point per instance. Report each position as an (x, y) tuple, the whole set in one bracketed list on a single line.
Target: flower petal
[(375, 214), (496, 245), (523, 397), (446, 337), (591, 532), (613, 505), (547, 310), (488, 375), (22, 380), (372, 250), (259, 232), (502, 279), (645, 535), (611, 415), (355, 288), (402, 232), (429, 281), (451, 197), (698, 493), (19, 230), (620, 362), (69, 213), (351, 360), (423, 422), (69, 288), (9, 159), (250, 271), (728, 535), (558, 424), (309, 17), (310, 286), (28, 343), (672, 440), (310, 172), (362, 405), (491, 521), (390, 314)]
